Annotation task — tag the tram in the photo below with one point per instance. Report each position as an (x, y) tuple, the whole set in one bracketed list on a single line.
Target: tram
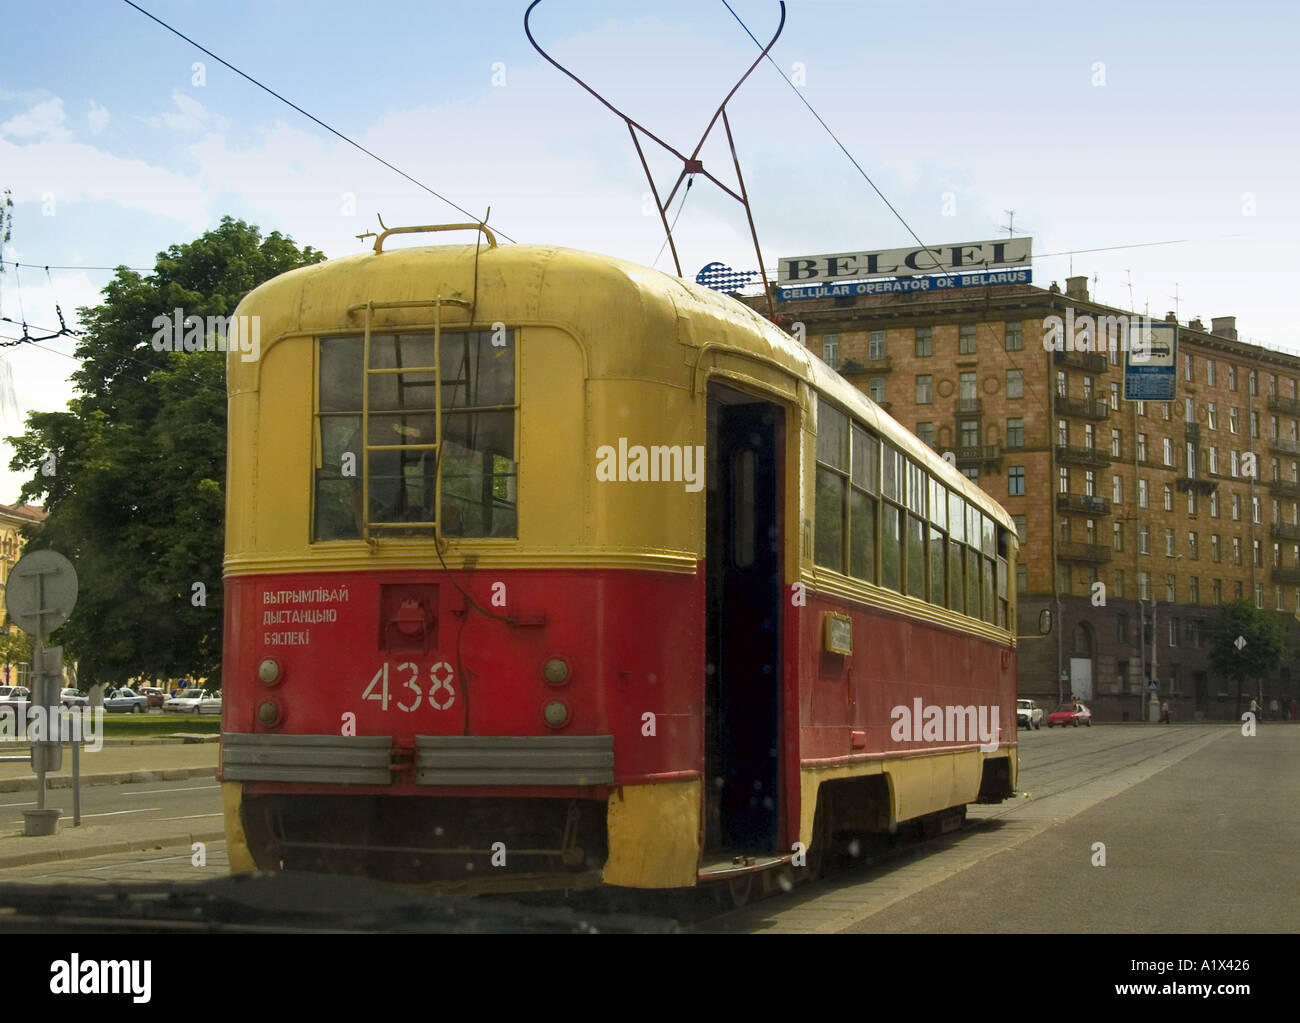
[(544, 569)]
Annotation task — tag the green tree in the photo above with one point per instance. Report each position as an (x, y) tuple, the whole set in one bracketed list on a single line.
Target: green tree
[(1262, 651), (132, 474)]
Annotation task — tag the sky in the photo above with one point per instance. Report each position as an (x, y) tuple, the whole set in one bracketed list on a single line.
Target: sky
[(1100, 125)]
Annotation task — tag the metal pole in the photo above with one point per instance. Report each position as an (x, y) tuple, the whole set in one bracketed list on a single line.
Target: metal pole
[(38, 667), (76, 775)]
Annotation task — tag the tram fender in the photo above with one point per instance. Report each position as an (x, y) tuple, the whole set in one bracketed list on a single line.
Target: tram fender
[(237, 851), (654, 835)]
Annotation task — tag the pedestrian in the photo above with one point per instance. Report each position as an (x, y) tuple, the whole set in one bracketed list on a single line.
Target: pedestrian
[(1164, 713), (1272, 710), (1254, 708)]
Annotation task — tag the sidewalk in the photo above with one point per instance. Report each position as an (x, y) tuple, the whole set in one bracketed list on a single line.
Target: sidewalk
[(141, 761)]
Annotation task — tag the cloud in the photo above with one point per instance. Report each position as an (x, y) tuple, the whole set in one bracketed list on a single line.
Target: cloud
[(98, 118), (43, 121), (190, 116)]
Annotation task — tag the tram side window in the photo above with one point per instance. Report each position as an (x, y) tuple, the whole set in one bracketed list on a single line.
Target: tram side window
[(892, 519), (864, 488), (832, 486), (956, 557), (972, 582), (1002, 593), (938, 543), (477, 462)]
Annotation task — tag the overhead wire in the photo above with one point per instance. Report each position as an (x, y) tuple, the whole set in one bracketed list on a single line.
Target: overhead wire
[(312, 117)]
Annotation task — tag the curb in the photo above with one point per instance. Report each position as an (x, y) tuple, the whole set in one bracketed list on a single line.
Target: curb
[(51, 855), (64, 781)]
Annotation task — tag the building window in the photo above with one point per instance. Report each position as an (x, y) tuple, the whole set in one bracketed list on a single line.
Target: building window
[(1087, 387), (970, 433), (1142, 494), (1089, 436), (1015, 342), (1232, 378), (1016, 480), (1254, 383), (972, 473), (1254, 424), (1170, 593), (1090, 483), (966, 339), (1164, 407), (876, 390), (831, 350), (1194, 590), (1259, 595), (1237, 590), (1236, 550), (1022, 579), (923, 344), (1277, 555), (1214, 460), (1117, 489), (1015, 433), (1169, 451), (1144, 539), (1189, 411), (1062, 384), (1193, 546), (1214, 547), (1254, 502), (1169, 543), (1191, 502), (1169, 497), (1063, 479), (1117, 535), (1232, 420), (1236, 464), (925, 433), (1211, 416), (1022, 527), (1119, 583), (1062, 432), (876, 344), (1236, 507), (1214, 504), (1209, 372), (966, 388), (1144, 586), (1015, 383), (1279, 601), (923, 389), (1114, 397), (1257, 554), (1187, 367), (1216, 592), (1116, 439), (1142, 447)]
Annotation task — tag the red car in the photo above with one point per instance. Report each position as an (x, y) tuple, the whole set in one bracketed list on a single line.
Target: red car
[(153, 694), (1070, 714)]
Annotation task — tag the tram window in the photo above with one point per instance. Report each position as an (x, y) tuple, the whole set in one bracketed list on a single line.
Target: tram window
[(832, 436), (973, 526), (989, 572), (866, 460), (742, 508), (477, 461), (862, 535), (892, 479), (956, 516), (915, 557), (988, 539), (916, 488), (891, 548), (956, 575), (938, 593), (829, 544), (1002, 592), (938, 504), (972, 583)]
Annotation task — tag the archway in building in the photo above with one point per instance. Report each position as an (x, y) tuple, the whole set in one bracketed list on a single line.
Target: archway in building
[(1082, 645)]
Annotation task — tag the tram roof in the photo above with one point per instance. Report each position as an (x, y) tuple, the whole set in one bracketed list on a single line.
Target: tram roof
[(562, 284)]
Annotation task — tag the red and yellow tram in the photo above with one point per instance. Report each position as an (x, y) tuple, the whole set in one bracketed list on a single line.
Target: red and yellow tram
[(546, 569)]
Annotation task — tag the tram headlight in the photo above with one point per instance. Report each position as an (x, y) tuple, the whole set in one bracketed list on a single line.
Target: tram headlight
[(269, 671), (268, 713), (556, 671), (556, 714)]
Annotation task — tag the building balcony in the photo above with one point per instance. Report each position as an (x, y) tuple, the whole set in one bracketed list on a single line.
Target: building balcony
[(1094, 553), (982, 455), (1156, 463), (1286, 575), (1284, 446), (1200, 486), (1092, 458), (1285, 488), (1089, 362), (1282, 531), (866, 367), (1085, 408), (1083, 504), (1290, 406), (970, 406)]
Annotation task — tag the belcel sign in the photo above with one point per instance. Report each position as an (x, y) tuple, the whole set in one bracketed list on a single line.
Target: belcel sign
[(941, 259)]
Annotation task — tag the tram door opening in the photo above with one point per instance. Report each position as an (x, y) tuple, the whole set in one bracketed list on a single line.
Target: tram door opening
[(743, 670)]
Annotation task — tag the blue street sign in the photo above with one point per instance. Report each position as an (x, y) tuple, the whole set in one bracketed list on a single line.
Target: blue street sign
[(1151, 362)]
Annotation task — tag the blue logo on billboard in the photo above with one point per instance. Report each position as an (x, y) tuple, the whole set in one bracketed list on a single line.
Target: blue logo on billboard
[(721, 277)]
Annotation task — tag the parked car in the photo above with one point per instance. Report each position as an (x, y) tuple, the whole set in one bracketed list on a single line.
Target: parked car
[(73, 698), (1029, 714), (154, 695), (126, 700), (14, 700), (1070, 714), (194, 701)]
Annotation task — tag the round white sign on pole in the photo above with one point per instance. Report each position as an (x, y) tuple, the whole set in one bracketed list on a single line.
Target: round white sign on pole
[(41, 592)]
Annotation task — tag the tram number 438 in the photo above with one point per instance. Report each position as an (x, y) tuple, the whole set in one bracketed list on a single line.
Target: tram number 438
[(441, 691)]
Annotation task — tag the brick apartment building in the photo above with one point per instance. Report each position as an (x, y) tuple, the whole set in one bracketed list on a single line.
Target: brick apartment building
[(1153, 500)]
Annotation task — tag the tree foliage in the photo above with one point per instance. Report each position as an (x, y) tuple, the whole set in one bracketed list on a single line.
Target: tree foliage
[(133, 473), (1262, 633)]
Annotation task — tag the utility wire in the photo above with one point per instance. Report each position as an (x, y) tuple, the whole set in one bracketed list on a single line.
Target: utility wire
[(311, 117), (673, 226)]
